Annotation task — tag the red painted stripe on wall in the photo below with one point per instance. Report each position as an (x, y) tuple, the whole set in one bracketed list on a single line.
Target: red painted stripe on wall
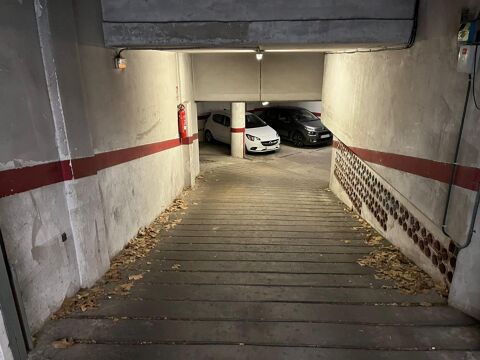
[(466, 177), (237, 130), (189, 140), (116, 157), (14, 181), (83, 167)]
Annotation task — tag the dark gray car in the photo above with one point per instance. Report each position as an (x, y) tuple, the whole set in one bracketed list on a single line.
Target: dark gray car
[(297, 125)]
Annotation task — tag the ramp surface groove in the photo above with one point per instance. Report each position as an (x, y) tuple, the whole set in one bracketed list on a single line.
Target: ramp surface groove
[(263, 265)]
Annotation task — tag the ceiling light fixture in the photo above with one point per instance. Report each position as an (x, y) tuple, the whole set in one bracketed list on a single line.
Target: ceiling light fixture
[(119, 61), (259, 55)]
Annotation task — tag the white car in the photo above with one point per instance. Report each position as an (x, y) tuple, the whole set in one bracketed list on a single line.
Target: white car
[(259, 137)]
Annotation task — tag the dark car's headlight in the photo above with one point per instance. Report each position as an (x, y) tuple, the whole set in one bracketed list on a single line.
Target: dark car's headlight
[(311, 133)]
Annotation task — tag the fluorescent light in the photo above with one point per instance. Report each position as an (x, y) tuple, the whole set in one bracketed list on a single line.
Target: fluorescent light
[(214, 51), (265, 103)]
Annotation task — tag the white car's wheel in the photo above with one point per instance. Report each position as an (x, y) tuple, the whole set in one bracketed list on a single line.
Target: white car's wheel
[(209, 137)]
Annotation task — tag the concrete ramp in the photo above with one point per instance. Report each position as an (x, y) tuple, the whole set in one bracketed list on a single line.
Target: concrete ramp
[(262, 265), (173, 24)]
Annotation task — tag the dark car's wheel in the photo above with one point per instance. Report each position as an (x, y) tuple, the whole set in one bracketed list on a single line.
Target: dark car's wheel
[(209, 137), (298, 139)]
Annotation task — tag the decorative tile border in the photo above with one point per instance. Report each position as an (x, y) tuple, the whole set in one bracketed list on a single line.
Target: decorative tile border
[(367, 191)]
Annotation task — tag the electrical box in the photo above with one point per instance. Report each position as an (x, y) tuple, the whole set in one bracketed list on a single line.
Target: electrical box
[(469, 33), (468, 39), (466, 59)]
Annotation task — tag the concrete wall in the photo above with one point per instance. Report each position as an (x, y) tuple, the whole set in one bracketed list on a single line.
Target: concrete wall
[(252, 10), (410, 103), (236, 77), (220, 23), (32, 222), (69, 111), (22, 68)]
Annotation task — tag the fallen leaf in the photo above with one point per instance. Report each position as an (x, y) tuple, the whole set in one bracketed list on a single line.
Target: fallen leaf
[(126, 287), (137, 248), (426, 304), (63, 343), (135, 277)]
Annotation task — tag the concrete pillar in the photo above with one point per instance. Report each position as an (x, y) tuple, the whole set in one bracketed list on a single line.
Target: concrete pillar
[(238, 129)]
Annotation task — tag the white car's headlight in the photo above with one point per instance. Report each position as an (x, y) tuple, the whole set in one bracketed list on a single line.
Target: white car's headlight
[(252, 138)]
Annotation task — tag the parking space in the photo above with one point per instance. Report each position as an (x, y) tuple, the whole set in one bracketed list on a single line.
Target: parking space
[(310, 161)]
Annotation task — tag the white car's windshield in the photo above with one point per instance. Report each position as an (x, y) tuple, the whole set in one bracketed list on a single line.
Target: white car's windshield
[(253, 121)]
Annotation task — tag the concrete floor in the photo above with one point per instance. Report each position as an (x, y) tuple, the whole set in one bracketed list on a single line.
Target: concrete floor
[(311, 162), (263, 266)]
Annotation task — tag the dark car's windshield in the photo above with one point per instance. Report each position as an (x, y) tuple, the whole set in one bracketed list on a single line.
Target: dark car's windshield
[(253, 121), (301, 115)]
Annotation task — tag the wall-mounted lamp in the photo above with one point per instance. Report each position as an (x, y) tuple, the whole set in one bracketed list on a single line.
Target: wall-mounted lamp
[(120, 62), (259, 55)]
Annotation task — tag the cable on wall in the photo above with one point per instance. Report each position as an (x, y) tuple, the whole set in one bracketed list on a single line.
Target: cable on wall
[(474, 78)]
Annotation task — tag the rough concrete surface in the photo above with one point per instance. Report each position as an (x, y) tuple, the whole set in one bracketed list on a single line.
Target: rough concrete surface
[(284, 34), (170, 24), (262, 264), (398, 102), (221, 10), (66, 101)]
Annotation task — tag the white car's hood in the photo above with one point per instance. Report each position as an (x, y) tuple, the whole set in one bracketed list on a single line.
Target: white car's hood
[(265, 133)]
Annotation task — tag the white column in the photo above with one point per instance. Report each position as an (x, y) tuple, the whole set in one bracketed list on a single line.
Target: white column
[(238, 129)]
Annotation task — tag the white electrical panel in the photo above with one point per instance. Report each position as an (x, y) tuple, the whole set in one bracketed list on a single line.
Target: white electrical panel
[(466, 59)]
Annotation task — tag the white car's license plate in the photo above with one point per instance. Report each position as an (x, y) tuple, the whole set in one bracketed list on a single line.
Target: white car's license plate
[(324, 136)]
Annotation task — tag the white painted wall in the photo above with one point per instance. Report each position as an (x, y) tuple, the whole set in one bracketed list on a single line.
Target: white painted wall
[(410, 102), (32, 222), (236, 77), (5, 351), (99, 109)]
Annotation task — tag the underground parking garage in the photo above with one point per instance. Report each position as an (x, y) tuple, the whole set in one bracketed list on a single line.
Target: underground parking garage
[(124, 235)]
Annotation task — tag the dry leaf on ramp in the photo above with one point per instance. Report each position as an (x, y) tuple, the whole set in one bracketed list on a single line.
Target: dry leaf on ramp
[(63, 343), (135, 277)]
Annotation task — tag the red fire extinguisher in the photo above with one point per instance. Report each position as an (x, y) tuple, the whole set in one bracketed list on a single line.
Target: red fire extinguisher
[(182, 121)]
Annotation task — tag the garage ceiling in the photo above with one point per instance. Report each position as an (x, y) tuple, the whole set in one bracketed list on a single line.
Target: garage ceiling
[(248, 24)]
